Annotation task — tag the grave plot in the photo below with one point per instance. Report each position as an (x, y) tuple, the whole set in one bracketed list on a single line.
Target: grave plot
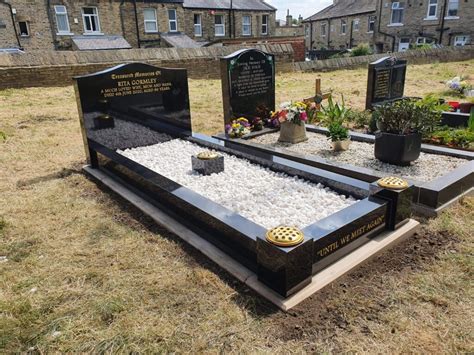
[(281, 224), (440, 174)]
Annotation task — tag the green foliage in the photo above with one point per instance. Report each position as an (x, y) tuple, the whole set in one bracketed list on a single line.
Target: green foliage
[(337, 132), (451, 137), (423, 46), (3, 136), (373, 121), (360, 119), (470, 123), (361, 49), (333, 112), (434, 103), (407, 116), (3, 225)]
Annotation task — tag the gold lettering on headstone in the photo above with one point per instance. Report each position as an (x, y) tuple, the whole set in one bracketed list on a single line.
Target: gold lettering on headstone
[(128, 84), (382, 83), (349, 237)]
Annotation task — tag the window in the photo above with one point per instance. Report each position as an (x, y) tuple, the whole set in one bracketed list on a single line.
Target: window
[(246, 25), (306, 30), (197, 25), (343, 27), (62, 21), (24, 29), (432, 9), (150, 20), (323, 30), (356, 24), (371, 24), (173, 22), (219, 25), (397, 13), (453, 7), (461, 40), (424, 40), (90, 19), (404, 44), (264, 24)]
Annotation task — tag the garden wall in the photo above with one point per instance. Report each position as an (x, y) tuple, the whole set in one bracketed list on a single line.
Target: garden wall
[(419, 56), (57, 68)]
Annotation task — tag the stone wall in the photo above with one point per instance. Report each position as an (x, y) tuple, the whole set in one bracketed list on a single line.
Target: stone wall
[(8, 38), (52, 68), (419, 56)]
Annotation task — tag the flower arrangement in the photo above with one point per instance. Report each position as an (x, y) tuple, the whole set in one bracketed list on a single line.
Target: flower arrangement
[(292, 112), (238, 128), (458, 84)]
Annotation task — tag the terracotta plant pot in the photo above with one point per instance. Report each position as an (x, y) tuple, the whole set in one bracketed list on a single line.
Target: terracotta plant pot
[(292, 133), (338, 146)]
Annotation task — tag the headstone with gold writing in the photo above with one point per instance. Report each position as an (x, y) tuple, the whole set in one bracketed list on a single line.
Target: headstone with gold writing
[(386, 81)]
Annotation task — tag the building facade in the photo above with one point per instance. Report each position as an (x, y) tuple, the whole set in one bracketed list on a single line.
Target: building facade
[(387, 25), (108, 24)]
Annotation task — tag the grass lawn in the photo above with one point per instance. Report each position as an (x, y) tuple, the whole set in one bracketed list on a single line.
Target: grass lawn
[(82, 270)]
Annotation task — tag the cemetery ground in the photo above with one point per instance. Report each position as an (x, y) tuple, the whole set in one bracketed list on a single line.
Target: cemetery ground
[(82, 270)]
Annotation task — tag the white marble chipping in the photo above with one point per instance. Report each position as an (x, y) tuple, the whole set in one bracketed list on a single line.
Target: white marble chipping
[(426, 168), (263, 196)]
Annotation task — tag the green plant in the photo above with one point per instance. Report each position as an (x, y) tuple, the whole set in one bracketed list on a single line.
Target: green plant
[(359, 118), (470, 123), (407, 116), (434, 103), (3, 136), (361, 49), (337, 132), (451, 137), (333, 112)]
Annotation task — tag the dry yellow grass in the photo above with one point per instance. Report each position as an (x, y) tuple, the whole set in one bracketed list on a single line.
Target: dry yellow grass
[(86, 272)]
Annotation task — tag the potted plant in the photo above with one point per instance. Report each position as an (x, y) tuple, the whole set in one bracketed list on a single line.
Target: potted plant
[(333, 116), (292, 117), (401, 125), (339, 136)]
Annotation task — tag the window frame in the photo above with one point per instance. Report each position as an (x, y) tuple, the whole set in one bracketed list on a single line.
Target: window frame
[(170, 20), (249, 25), (356, 22), (197, 25), (398, 8), (343, 28), (430, 5), (264, 25), (155, 21), (56, 14), (219, 25), (323, 33), (371, 20), (456, 15), (90, 16), (466, 40), (27, 25)]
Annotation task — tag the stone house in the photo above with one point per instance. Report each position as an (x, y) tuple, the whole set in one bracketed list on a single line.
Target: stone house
[(389, 25), (408, 23), (344, 24), (118, 24)]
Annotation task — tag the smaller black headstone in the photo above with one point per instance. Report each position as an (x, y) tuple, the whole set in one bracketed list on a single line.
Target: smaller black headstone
[(386, 81), (248, 84)]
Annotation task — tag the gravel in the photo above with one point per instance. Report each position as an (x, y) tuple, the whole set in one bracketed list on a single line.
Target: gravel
[(126, 134), (426, 168), (263, 196)]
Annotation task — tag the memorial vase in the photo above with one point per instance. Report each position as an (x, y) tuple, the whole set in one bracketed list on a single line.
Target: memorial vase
[(292, 133)]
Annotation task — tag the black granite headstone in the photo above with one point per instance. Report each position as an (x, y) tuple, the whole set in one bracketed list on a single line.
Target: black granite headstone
[(386, 80), (136, 92), (248, 84)]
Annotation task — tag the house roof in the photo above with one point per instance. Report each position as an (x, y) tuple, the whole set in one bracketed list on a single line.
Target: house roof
[(257, 5), (180, 40), (344, 8), (84, 43)]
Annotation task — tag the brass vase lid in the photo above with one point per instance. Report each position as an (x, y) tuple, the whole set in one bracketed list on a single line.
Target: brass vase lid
[(284, 236), (207, 155), (393, 183)]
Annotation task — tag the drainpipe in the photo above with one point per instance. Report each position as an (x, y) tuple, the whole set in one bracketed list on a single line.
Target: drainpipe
[(378, 26), (310, 35), (136, 23), (14, 26), (51, 24), (441, 30), (122, 25), (230, 20)]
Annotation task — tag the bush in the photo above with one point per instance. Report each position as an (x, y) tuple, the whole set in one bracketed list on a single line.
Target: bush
[(407, 116), (360, 119), (361, 49), (451, 137)]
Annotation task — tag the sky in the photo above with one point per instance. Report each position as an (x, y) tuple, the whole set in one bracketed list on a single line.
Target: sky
[(304, 7)]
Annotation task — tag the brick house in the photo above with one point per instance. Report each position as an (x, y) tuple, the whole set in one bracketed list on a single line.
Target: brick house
[(389, 25), (117, 24), (344, 24), (407, 23)]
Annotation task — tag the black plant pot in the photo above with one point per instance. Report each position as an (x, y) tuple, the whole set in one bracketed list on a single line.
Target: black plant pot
[(397, 149)]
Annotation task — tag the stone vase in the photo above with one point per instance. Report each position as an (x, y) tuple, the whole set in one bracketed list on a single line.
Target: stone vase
[(292, 133), (338, 146)]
